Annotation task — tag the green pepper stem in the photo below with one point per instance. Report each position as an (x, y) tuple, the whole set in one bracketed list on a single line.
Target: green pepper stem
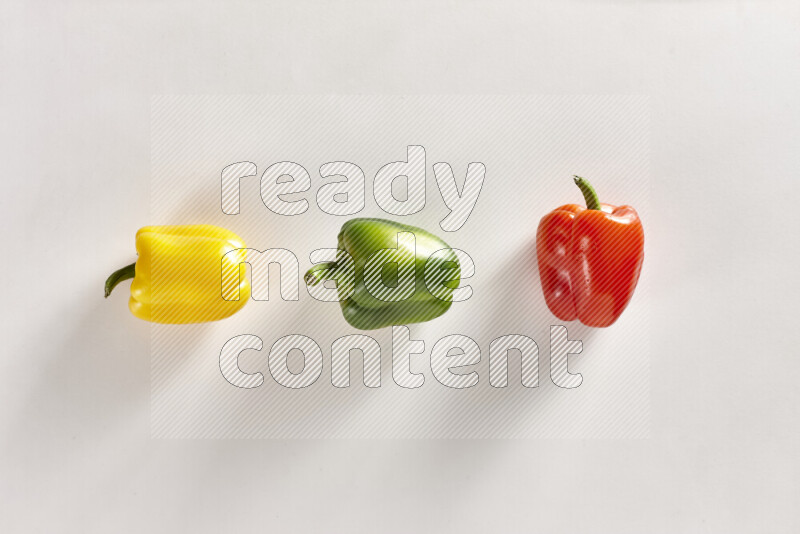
[(126, 273), (314, 274), (592, 201)]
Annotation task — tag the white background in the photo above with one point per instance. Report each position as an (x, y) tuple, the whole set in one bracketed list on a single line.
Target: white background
[(77, 78)]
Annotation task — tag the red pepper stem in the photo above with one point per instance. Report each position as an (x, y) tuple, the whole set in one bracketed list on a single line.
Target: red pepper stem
[(126, 273), (592, 201)]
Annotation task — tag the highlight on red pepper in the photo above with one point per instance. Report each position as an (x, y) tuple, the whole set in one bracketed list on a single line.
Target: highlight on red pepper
[(589, 259)]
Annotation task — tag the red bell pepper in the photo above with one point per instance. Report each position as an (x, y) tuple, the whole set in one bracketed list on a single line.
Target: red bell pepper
[(589, 259)]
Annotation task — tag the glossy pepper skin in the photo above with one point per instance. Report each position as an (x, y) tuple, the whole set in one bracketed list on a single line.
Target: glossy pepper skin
[(589, 259), (182, 273), (361, 238)]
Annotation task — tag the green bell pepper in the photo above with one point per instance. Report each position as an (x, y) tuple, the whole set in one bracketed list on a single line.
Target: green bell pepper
[(389, 285)]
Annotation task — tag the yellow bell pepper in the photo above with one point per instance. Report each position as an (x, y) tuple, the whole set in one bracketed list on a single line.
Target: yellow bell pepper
[(183, 274)]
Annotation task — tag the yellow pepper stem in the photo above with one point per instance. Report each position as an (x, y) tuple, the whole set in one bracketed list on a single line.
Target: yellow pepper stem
[(126, 273)]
